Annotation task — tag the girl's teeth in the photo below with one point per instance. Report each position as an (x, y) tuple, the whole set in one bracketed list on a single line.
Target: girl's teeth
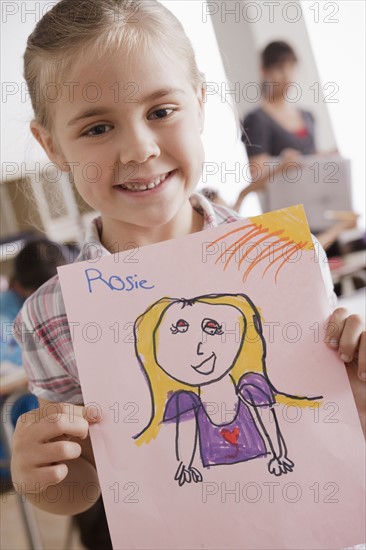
[(144, 187)]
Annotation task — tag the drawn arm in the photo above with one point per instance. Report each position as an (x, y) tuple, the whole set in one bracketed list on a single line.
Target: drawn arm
[(255, 391), (279, 463), (186, 432), (181, 409)]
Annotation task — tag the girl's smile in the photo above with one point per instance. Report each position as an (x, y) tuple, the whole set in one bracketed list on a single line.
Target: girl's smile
[(142, 187)]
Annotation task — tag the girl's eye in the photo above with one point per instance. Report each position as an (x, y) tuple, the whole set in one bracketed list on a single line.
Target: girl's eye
[(209, 326), (96, 131), (160, 114), (180, 326)]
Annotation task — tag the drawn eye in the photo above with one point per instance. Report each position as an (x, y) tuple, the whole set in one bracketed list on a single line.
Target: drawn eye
[(180, 326), (211, 327)]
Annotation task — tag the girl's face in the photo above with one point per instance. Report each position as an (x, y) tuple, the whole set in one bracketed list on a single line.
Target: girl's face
[(199, 344), (130, 129)]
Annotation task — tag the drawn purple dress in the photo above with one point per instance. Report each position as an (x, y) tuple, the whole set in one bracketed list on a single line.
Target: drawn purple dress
[(236, 441)]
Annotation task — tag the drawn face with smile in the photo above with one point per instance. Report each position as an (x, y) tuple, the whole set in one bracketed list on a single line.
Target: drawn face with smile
[(199, 343)]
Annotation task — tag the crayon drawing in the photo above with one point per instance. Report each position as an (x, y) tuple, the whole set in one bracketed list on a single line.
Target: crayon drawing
[(194, 351), (274, 240), (222, 408)]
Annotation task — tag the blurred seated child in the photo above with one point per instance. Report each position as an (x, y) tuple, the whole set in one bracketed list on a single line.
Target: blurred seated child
[(34, 265)]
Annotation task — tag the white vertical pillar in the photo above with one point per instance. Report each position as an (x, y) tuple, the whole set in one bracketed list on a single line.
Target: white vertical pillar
[(337, 35)]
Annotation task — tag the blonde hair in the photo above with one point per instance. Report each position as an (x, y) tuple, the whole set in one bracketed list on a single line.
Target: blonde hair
[(75, 29), (249, 359)]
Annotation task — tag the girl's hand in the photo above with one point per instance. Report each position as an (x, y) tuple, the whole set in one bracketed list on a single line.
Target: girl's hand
[(186, 475), (280, 465), (42, 442), (346, 334)]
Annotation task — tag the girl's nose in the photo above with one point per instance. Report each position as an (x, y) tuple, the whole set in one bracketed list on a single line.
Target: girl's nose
[(199, 352), (138, 146)]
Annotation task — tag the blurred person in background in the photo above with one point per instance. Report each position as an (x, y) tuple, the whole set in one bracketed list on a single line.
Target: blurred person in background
[(36, 262), (278, 128)]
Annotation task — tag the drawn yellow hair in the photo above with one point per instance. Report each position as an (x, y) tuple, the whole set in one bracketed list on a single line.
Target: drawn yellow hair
[(250, 359)]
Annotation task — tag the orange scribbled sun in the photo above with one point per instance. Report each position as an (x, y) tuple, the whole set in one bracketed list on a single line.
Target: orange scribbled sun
[(274, 238)]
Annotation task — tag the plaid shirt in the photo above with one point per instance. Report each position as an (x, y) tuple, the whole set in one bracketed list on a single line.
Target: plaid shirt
[(42, 330)]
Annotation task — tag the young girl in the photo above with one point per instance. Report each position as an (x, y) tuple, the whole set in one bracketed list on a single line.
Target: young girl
[(125, 118)]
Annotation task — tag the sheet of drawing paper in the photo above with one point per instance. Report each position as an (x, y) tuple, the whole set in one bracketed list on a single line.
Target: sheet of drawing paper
[(226, 420)]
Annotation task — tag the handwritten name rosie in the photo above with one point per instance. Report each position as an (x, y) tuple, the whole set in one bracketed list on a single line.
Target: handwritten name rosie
[(129, 283)]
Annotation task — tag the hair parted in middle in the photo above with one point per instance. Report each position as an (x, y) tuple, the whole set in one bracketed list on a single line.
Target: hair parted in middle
[(75, 31)]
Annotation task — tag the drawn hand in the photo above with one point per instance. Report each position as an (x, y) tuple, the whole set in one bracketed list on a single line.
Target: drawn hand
[(287, 463), (186, 475), (280, 465)]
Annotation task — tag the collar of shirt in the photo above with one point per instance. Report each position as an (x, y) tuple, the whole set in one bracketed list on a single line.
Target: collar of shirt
[(93, 249)]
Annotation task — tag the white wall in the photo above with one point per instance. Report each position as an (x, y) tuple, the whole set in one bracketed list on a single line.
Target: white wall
[(17, 22), (337, 35)]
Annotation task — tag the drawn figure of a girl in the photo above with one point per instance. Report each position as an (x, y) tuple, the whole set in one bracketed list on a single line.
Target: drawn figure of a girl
[(204, 351)]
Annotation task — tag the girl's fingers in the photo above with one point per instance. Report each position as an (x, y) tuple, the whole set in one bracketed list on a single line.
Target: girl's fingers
[(46, 454), (362, 357), (58, 451), (350, 338), (60, 419), (346, 333), (91, 413), (50, 475), (40, 478), (54, 425), (335, 327)]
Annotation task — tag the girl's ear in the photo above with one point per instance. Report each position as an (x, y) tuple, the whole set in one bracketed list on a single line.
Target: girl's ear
[(49, 144)]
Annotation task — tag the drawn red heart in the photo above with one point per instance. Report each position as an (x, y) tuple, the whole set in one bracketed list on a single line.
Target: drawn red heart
[(230, 436)]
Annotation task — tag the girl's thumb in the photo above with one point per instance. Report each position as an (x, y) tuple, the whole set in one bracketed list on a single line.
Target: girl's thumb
[(92, 413)]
